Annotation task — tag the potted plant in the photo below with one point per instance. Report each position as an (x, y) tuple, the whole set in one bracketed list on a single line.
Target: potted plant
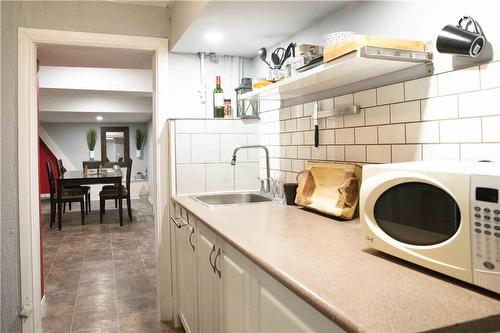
[(140, 138), (91, 141)]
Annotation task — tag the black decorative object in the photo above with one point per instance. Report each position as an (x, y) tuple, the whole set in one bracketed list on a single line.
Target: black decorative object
[(466, 38)]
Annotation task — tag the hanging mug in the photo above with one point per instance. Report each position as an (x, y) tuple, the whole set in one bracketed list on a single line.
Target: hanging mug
[(459, 39)]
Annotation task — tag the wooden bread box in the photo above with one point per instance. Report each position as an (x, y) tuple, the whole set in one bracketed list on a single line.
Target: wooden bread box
[(330, 188)]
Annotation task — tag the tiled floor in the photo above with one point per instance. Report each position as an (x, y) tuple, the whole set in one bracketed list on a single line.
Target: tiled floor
[(101, 277)]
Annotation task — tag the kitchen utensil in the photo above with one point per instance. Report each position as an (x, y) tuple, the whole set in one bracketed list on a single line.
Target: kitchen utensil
[(315, 62), (331, 188), (277, 57), (458, 39), (263, 55), (288, 52), (290, 192)]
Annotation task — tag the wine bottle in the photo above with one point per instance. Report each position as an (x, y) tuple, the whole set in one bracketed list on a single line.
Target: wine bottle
[(218, 99)]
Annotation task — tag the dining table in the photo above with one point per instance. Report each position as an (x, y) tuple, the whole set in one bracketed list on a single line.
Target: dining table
[(78, 177)]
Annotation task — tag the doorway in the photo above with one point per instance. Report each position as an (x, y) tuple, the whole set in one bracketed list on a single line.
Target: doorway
[(28, 141)]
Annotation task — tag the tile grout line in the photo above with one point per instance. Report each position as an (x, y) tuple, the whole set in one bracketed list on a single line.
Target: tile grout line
[(116, 287), (78, 288), (52, 264)]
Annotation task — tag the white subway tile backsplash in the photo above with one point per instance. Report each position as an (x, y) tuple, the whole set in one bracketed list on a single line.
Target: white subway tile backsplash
[(445, 107), (298, 165), (190, 178), (366, 135), (335, 122), (189, 126), (304, 152), (228, 142), (355, 153), (219, 177), (284, 114), (390, 94), (309, 137), (344, 136), (460, 130), (490, 75), (245, 176), (405, 112), (318, 153), (205, 148), (282, 126), (426, 132), (436, 152), (344, 100), (291, 125), (246, 126), (285, 139), (475, 152), (378, 154), (479, 103), (183, 148), (327, 137), (459, 81), (219, 126), (297, 111), (308, 109), (297, 138), (406, 153), (391, 134), (421, 88), (491, 129), (325, 104), (378, 115), (354, 120), (366, 98), (291, 152), (335, 153), (304, 124), (285, 165)]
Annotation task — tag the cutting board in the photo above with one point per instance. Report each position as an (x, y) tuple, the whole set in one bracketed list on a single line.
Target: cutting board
[(356, 41), (330, 188)]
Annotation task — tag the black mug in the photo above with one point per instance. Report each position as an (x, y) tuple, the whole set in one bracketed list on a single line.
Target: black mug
[(458, 39)]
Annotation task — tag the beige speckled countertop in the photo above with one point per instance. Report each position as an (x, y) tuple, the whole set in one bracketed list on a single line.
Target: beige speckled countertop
[(325, 262)]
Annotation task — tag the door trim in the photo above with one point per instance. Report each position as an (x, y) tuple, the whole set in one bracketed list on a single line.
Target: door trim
[(29, 224)]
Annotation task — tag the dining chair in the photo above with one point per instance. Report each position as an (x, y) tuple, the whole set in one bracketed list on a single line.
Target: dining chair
[(110, 192), (67, 195), (84, 188)]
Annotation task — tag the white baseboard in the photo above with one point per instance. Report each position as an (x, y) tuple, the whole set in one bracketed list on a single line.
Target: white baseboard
[(43, 307)]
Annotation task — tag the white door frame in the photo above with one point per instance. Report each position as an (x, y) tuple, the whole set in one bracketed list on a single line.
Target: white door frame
[(29, 224)]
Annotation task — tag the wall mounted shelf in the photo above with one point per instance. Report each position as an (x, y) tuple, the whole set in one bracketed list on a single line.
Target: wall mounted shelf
[(367, 63)]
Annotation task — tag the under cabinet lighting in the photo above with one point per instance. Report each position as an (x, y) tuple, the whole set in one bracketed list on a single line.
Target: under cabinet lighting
[(214, 36), (99, 118)]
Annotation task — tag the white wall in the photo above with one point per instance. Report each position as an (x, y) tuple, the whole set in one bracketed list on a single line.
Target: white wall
[(185, 83), (148, 153), (203, 153)]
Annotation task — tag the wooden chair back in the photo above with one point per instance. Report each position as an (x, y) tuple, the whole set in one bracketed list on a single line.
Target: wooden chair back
[(52, 183), (129, 173), (61, 167)]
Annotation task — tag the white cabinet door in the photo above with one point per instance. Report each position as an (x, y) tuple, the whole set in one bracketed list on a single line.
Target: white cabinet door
[(207, 280), (186, 271), (234, 290), (276, 309)]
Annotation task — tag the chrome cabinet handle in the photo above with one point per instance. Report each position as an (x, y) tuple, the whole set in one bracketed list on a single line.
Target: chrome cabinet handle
[(190, 238), (177, 223), (210, 258), (215, 263)]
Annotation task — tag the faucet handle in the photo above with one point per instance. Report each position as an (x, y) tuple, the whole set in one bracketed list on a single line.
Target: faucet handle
[(262, 188)]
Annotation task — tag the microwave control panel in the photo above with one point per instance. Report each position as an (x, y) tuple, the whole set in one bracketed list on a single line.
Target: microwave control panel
[(485, 224)]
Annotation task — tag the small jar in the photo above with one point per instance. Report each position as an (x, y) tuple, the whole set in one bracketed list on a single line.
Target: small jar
[(228, 110)]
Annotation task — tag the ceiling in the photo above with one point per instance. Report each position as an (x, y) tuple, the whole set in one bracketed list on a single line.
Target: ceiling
[(247, 26), (77, 56), (90, 117)]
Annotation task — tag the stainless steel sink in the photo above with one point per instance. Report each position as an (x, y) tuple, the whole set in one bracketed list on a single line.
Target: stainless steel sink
[(220, 199)]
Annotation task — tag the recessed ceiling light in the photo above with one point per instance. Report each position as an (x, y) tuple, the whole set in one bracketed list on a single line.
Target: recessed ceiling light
[(98, 118), (214, 36)]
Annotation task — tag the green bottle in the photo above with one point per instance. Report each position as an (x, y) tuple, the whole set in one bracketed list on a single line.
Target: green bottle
[(218, 99)]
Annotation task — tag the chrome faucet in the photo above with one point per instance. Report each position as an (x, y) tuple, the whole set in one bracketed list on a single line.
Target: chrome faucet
[(268, 171)]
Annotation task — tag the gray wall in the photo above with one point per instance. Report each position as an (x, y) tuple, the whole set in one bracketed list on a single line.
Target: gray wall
[(86, 16), (71, 139)]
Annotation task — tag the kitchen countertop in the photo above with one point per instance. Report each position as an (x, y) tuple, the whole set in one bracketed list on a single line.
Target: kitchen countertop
[(325, 262)]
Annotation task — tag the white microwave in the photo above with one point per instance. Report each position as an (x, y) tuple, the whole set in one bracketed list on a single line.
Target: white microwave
[(441, 215)]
